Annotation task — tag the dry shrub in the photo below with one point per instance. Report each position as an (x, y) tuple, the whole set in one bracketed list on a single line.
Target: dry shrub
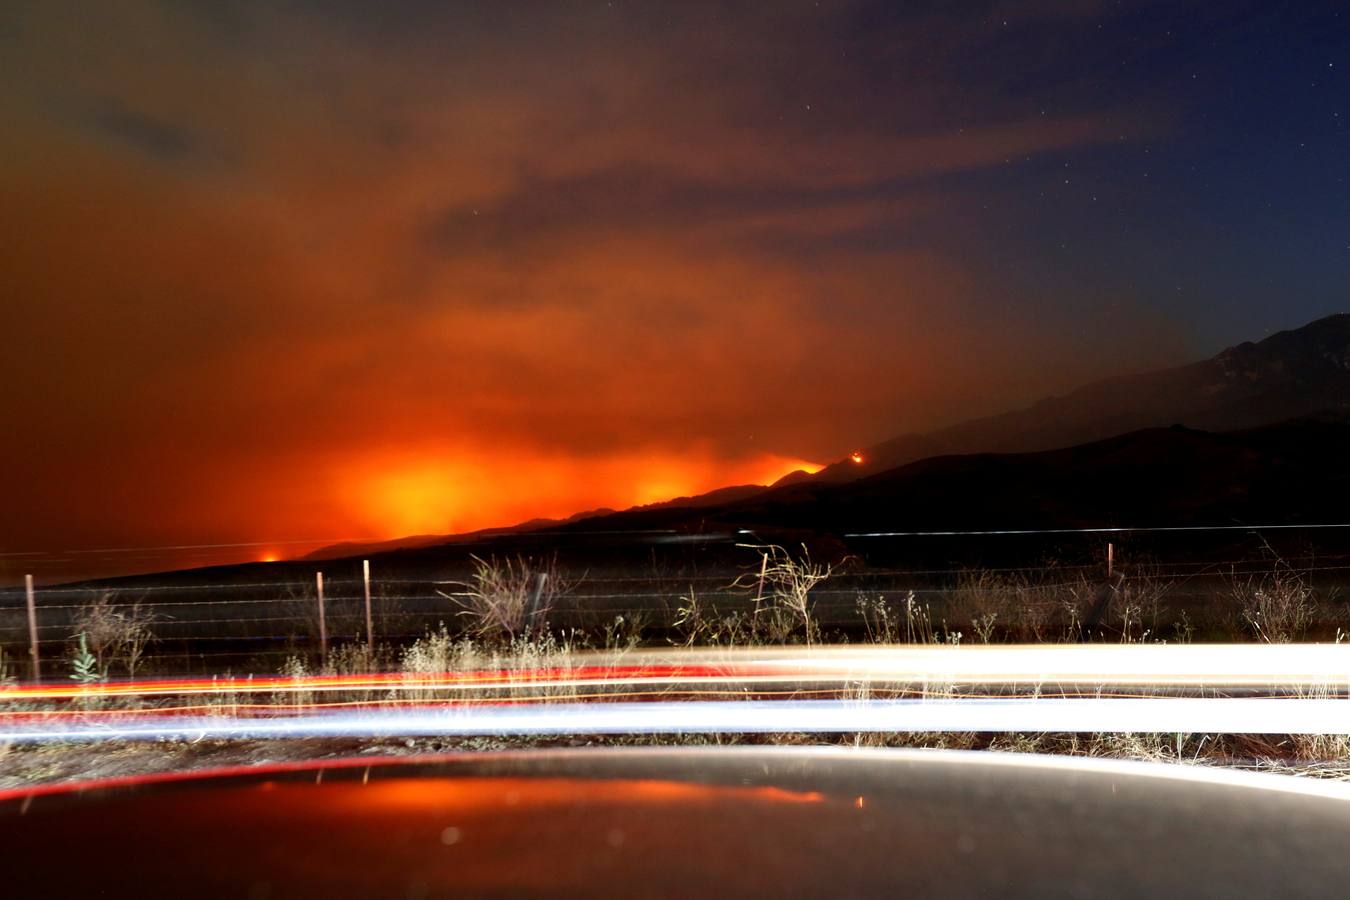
[(911, 623), (352, 659), (624, 633), (782, 590), (509, 598), (1145, 746), (439, 653), (1320, 749), (1138, 596), (115, 632), (302, 607), (994, 604), (1277, 606), (693, 620), (880, 622), (698, 622), (297, 670), (1062, 605)]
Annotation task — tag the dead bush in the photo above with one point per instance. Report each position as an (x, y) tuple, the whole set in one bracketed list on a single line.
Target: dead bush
[(782, 588), (115, 633), (1277, 606), (509, 598)]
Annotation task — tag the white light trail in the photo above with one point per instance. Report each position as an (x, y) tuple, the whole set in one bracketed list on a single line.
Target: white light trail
[(1126, 529), (1308, 669), (1169, 715)]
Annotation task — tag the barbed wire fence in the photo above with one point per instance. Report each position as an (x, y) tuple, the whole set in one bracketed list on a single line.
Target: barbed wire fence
[(214, 627)]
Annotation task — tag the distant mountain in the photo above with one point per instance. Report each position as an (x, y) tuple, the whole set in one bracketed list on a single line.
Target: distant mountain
[(1296, 472), (1293, 373)]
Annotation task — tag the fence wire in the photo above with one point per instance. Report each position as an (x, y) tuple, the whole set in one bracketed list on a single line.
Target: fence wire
[(204, 625)]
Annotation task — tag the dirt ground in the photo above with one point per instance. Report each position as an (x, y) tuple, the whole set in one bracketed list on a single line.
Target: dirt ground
[(26, 765)]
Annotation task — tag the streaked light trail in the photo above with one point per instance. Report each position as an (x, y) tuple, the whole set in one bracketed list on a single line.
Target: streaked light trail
[(1310, 667), (1247, 689), (1190, 715), (1125, 529)]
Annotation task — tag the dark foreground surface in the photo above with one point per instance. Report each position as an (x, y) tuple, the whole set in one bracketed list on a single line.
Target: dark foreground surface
[(697, 821)]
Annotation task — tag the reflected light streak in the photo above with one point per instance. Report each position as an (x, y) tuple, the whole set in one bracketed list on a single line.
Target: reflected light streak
[(1316, 787), (484, 793)]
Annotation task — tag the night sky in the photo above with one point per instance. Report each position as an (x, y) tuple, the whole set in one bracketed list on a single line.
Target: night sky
[(291, 271)]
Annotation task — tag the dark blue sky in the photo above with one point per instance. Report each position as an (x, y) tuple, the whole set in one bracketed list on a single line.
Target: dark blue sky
[(1223, 205), (1233, 216)]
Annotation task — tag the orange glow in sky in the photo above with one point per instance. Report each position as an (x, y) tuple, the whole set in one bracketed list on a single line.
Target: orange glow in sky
[(399, 494)]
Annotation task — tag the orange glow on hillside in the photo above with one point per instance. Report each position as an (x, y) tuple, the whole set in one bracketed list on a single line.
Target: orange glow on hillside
[(856, 456), (447, 492)]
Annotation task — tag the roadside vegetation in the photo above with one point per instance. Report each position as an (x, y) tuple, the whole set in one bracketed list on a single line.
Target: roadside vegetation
[(499, 620)]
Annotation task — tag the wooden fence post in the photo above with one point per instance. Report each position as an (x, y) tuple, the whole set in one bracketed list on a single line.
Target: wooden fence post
[(763, 570), (323, 625), (32, 628), (536, 597), (370, 628)]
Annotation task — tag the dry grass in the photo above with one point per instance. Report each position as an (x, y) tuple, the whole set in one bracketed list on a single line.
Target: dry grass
[(440, 652), (1278, 607)]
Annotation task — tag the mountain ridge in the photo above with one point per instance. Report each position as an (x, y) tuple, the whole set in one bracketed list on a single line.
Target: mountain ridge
[(1284, 473), (1300, 371)]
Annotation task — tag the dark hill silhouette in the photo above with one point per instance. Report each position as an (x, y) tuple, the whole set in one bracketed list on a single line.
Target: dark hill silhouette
[(1297, 472), (418, 541), (1300, 372)]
